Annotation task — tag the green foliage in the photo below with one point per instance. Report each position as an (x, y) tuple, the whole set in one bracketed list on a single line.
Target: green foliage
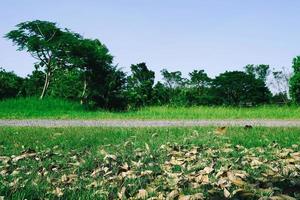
[(199, 79), (295, 81), (140, 85), (238, 88), (296, 64), (199, 91), (172, 79), (33, 83), (10, 84), (259, 71), (161, 94), (47, 43), (175, 87), (295, 87), (280, 99), (66, 84)]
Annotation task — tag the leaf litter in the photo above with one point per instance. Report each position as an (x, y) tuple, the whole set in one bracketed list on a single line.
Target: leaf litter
[(172, 171)]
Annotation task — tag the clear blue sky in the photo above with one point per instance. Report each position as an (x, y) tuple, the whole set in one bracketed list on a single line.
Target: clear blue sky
[(214, 35)]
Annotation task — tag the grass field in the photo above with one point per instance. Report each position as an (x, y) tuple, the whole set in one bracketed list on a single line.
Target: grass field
[(60, 109), (174, 163)]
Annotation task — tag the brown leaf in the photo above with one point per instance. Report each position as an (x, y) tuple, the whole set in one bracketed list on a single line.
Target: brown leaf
[(235, 180), (172, 195), (197, 196), (226, 193), (58, 192), (4, 159), (25, 155), (121, 194), (207, 170), (221, 130), (142, 194), (282, 197)]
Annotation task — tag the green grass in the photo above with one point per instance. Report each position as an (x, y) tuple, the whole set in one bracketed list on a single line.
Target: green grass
[(63, 153), (14, 140), (61, 109)]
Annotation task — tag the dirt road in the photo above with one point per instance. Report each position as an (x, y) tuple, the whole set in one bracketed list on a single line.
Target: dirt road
[(147, 123)]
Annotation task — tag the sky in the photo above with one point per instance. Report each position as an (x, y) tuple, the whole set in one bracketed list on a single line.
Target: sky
[(214, 35)]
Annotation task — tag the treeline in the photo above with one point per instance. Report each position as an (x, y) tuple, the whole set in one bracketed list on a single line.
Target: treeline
[(72, 67)]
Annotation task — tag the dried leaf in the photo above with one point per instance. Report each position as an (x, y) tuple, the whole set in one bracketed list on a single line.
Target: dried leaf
[(172, 195), (23, 156), (221, 130), (121, 194), (226, 193), (58, 192), (142, 194)]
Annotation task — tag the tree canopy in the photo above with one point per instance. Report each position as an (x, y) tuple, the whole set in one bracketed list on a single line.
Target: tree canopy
[(47, 43), (239, 88)]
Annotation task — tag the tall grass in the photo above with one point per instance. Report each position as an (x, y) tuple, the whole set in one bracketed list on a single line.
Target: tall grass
[(62, 109)]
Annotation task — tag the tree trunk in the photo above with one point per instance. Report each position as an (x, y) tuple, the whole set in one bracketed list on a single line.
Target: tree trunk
[(46, 84), (83, 91)]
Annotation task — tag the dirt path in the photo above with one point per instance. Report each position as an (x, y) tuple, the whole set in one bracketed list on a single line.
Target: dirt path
[(148, 123)]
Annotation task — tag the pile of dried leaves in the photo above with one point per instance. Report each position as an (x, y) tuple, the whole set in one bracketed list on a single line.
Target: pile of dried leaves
[(172, 171)]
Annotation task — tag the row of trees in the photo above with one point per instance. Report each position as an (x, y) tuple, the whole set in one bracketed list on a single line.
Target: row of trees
[(72, 67)]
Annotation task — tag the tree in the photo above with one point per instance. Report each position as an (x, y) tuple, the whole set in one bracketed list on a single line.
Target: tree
[(95, 62), (295, 80), (175, 85), (295, 87), (259, 71), (103, 84), (10, 84), (160, 94), (140, 85), (114, 97), (239, 88), (296, 64), (199, 79), (47, 43), (172, 79), (198, 91), (280, 82)]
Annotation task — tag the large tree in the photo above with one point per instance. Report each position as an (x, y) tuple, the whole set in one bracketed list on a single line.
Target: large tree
[(102, 83), (295, 81), (140, 85), (46, 42), (239, 88), (199, 79), (199, 86)]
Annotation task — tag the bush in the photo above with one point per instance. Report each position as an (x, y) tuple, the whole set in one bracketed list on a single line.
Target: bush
[(67, 84), (295, 87), (10, 84)]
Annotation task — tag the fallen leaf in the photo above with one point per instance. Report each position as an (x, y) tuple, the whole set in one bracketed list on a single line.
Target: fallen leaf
[(172, 195), (58, 192), (221, 130), (25, 155), (142, 194)]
